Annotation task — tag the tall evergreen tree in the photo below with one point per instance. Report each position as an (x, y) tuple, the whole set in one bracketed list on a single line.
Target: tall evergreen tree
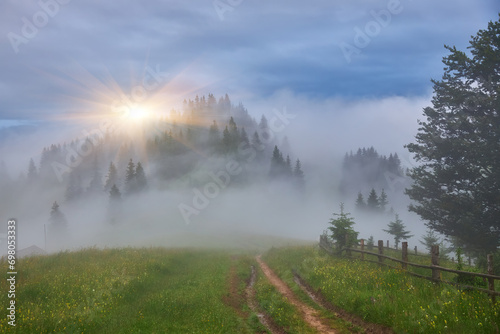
[(256, 142), (130, 179), (115, 204), (244, 136), (456, 184), (360, 202), (140, 177), (382, 201), (111, 178), (278, 165), (397, 229), (372, 203), (430, 239), (342, 229), (299, 175), (57, 218), (227, 140), (213, 134)]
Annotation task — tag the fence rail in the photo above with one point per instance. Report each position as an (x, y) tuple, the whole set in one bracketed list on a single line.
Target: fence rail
[(435, 268)]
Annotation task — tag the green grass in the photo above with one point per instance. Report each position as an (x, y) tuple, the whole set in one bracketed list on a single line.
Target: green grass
[(126, 291), (389, 297), (277, 307)]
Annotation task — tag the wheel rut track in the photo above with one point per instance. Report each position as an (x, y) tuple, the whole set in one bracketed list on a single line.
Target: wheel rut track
[(309, 314)]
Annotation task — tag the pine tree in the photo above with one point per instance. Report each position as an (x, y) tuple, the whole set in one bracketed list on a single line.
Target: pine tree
[(115, 204), (227, 142), (114, 194), (57, 227), (455, 187), (244, 136), (57, 218), (430, 239), (278, 164), (111, 178), (397, 229), (372, 203), (130, 180), (140, 177), (213, 134), (370, 243), (342, 229), (360, 202), (299, 175), (256, 142)]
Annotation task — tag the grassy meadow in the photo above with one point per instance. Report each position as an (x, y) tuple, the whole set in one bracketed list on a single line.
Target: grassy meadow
[(125, 291), (158, 290), (389, 296)]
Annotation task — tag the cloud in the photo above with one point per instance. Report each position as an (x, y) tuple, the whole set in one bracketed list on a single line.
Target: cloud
[(258, 48)]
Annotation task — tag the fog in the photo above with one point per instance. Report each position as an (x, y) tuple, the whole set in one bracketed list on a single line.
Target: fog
[(223, 200)]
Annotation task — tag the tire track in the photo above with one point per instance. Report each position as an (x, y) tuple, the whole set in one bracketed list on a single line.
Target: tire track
[(309, 314), (252, 303)]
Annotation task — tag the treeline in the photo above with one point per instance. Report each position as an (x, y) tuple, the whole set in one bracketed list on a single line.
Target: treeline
[(166, 152), (367, 169)]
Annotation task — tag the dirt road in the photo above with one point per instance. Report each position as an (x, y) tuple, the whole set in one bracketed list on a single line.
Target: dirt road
[(309, 314)]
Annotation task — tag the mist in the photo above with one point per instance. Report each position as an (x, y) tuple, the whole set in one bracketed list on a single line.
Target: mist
[(223, 200)]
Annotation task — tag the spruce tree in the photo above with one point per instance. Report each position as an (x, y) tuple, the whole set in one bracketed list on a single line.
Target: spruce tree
[(140, 177), (256, 142), (115, 205), (111, 178), (360, 202), (299, 175), (372, 203), (278, 164), (430, 239), (130, 180), (57, 218), (397, 229), (342, 229), (456, 183)]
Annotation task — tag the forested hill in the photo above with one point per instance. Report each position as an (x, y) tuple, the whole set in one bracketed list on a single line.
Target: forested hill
[(176, 149)]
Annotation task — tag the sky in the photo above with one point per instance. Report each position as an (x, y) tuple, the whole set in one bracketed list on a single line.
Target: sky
[(61, 59)]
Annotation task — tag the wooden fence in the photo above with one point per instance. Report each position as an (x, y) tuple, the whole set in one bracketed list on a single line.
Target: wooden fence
[(328, 246)]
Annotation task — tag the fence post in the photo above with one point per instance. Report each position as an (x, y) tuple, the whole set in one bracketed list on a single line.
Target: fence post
[(381, 250), (491, 281), (362, 249), (387, 243), (435, 262), (404, 248), (416, 250)]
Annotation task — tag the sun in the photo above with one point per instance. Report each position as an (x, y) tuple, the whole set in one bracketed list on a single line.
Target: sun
[(138, 113)]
